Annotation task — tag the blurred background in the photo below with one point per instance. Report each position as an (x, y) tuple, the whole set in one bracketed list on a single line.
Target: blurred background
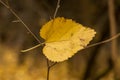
[(94, 63)]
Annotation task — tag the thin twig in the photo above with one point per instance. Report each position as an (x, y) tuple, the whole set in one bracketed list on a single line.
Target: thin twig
[(10, 9), (56, 10), (102, 42), (53, 64), (34, 47), (16, 21), (48, 69)]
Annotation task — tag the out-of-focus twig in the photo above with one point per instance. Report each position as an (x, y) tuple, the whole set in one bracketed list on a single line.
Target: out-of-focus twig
[(112, 28), (114, 46)]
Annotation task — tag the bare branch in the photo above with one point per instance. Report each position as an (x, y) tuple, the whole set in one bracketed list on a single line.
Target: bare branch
[(49, 67), (10, 9), (56, 10), (26, 50), (105, 41)]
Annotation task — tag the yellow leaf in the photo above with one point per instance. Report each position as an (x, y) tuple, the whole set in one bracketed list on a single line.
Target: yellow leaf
[(63, 38)]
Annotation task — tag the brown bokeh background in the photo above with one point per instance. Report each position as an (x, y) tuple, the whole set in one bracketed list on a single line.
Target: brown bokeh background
[(94, 63)]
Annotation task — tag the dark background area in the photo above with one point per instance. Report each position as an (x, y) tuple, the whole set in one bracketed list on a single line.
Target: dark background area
[(94, 63)]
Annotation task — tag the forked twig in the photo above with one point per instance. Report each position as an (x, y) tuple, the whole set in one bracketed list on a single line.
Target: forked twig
[(49, 67)]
